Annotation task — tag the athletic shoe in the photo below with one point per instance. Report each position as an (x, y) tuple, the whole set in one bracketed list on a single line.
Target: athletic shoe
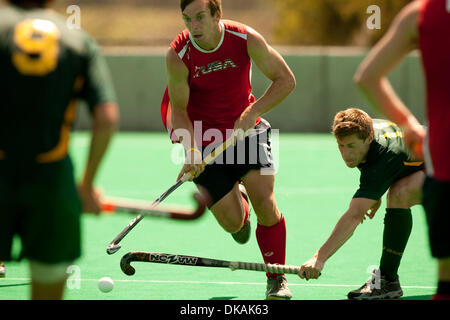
[(243, 235), (277, 289), (377, 287), (2, 270)]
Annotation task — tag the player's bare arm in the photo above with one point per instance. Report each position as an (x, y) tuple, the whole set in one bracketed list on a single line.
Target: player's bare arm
[(178, 86), (106, 118), (358, 209), (273, 66), (371, 76)]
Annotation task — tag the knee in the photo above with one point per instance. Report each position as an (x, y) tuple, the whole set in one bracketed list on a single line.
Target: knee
[(230, 222), (262, 202), (232, 226), (400, 196), (266, 210)]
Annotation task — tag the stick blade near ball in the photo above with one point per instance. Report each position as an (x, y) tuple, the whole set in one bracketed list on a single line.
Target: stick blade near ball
[(125, 264), (113, 248)]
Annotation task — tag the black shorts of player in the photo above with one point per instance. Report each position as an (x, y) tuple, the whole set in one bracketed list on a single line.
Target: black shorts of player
[(39, 204), (253, 153), (435, 202)]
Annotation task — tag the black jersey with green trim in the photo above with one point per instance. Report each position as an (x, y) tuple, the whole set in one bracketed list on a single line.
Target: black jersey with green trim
[(45, 68), (387, 161)]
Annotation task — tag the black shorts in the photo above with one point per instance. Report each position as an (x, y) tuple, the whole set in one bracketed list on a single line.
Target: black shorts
[(435, 196), (253, 153), (41, 205)]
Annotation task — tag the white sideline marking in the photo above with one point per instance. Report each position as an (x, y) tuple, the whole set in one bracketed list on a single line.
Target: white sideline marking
[(227, 283)]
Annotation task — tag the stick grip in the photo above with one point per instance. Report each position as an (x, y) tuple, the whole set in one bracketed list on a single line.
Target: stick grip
[(272, 268), (175, 259)]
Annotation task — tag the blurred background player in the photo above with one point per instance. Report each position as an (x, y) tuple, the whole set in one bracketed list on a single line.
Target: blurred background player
[(376, 147), (208, 70), (46, 67), (424, 25)]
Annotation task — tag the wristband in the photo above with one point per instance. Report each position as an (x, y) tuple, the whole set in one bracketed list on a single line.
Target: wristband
[(193, 149)]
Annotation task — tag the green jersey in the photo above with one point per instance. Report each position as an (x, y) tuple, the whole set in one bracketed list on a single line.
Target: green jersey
[(387, 161), (45, 68)]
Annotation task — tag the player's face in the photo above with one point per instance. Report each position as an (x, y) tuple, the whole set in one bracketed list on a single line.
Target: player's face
[(202, 26), (353, 149)]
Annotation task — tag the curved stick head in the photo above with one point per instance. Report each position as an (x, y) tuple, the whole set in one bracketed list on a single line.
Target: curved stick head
[(125, 264), (113, 248)]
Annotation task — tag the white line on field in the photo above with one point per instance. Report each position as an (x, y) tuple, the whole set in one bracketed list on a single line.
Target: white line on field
[(227, 283)]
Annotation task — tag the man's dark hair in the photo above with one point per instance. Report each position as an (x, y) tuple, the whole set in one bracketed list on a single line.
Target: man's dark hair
[(215, 6)]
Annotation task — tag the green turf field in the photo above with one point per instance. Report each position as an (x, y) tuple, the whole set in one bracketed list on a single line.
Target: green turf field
[(313, 189)]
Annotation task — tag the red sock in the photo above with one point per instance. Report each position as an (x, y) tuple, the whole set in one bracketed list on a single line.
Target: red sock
[(272, 243)]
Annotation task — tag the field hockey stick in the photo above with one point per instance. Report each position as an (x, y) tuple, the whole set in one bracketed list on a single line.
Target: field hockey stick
[(114, 245), (175, 259), (112, 205)]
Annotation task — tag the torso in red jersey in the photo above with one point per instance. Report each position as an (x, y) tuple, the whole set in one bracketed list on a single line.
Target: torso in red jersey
[(219, 79), (434, 44)]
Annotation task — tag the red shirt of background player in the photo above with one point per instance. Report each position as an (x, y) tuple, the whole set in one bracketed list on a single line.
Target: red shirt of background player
[(434, 44)]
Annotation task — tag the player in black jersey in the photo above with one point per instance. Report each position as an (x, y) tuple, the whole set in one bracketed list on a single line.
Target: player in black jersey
[(376, 147)]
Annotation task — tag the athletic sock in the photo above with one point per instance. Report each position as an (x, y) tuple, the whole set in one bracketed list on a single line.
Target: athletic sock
[(397, 228), (272, 243)]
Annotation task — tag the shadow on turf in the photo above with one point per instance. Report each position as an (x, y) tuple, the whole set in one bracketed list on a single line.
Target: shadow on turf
[(15, 285), (422, 297), (222, 298)]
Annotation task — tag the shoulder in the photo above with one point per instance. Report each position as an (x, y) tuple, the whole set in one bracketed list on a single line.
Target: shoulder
[(408, 14), (89, 46), (8, 15), (242, 30), (382, 126), (181, 41), (175, 66), (234, 26), (413, 9), (407, 20)]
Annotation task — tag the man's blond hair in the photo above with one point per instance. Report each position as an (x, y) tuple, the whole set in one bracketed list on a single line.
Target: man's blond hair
[(352, 121)]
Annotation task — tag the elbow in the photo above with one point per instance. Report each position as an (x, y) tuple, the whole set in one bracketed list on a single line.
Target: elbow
[(363, 79), (290, 83), (107, 115), (359, 79), (179, 114)]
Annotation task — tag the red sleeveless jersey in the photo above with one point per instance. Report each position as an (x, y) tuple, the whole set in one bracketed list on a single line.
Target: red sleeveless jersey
[(434, 44), (219, 81)]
